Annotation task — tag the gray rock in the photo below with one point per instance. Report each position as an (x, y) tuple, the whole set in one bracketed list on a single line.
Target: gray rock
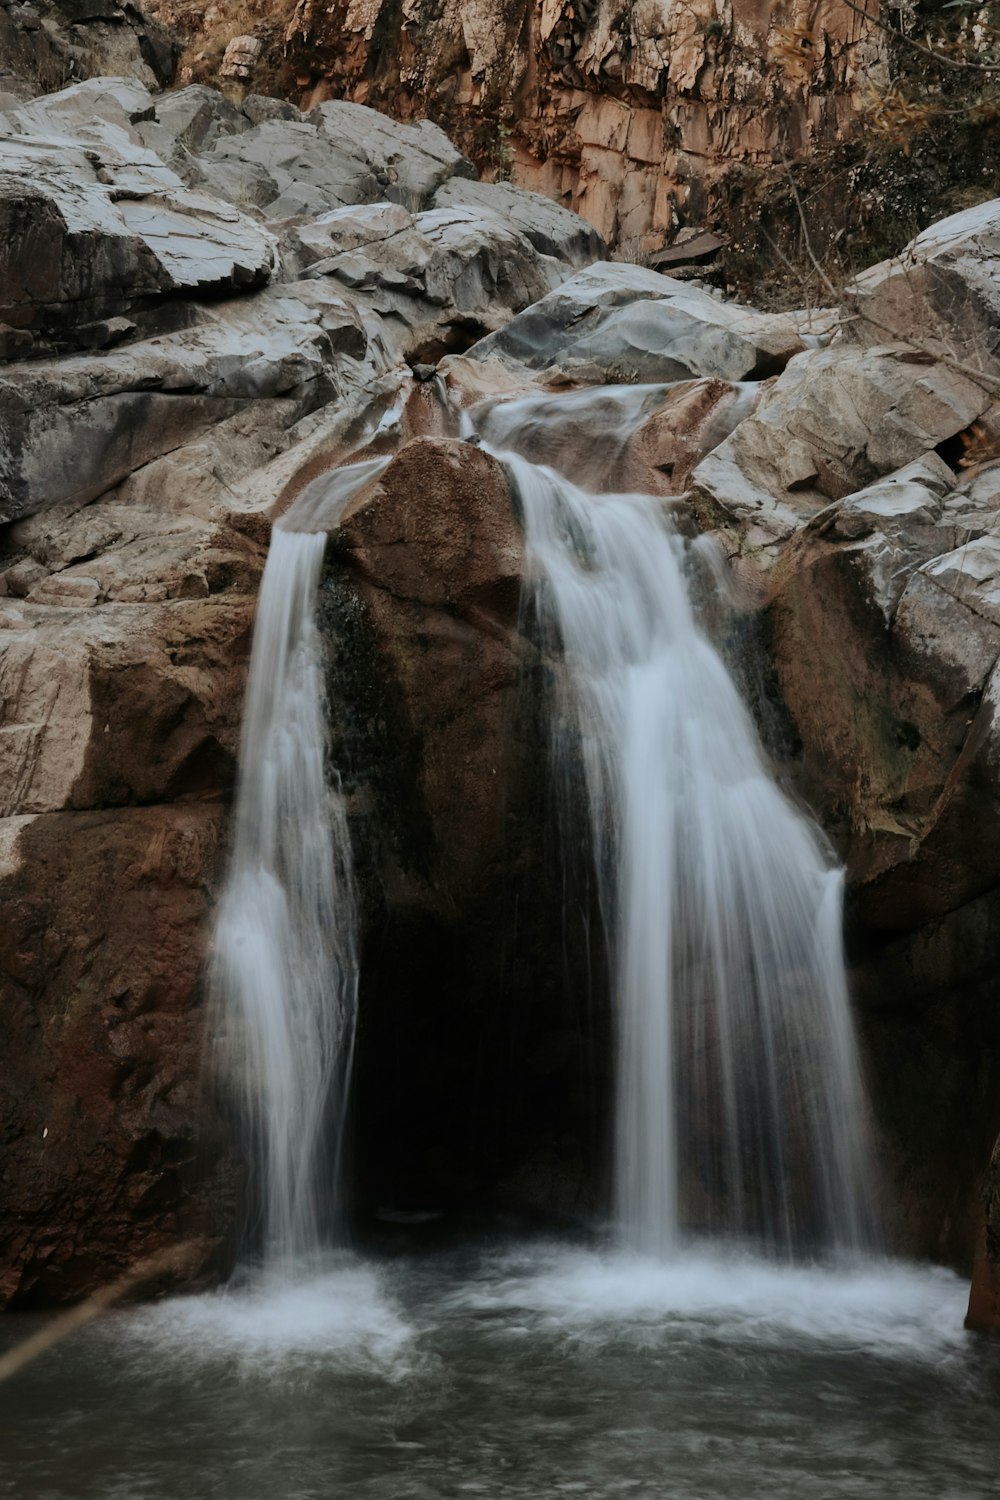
[(198, 116), (441, 279), (71, 429), (836, 420), (341, 230), (260, 107), (413, 161), (311, 174), (552, 229), (92, 222), (942, 293), (615, 322)]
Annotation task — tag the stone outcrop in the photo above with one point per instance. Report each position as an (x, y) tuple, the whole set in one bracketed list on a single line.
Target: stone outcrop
[(944, 291), (625, 324), (639, 114), (835, 420), (438, 746)]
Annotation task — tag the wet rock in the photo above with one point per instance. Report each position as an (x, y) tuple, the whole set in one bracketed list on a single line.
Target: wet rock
[(984, 1298), (433, 708)]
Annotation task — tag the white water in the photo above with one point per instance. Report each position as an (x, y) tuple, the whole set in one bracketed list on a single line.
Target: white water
[(284, 973), (739, 1102)]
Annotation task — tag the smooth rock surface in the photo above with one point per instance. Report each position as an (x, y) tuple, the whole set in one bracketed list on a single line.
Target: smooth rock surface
[(93, 222), (552, 229), (617, 323)]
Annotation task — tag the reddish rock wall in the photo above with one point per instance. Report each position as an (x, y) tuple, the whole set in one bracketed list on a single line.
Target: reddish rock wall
[(642, 115)]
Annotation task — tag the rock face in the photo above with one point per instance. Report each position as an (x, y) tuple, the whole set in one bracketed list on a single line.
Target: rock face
[(632, 112), (46, 44), (171, 361), (625, 324), (984, 1300), (945, 290)]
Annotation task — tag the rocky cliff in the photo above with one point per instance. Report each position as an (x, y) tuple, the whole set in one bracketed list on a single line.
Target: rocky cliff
[(642, 115), (205, 308)]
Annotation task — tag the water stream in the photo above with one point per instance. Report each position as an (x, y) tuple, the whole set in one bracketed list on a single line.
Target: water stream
[(739, 1101), (284, 974)]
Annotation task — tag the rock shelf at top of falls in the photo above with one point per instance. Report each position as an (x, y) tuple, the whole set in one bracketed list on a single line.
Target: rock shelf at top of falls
[(223, 304)]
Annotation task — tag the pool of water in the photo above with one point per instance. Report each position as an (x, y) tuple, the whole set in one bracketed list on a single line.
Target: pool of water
[(522, 1371)]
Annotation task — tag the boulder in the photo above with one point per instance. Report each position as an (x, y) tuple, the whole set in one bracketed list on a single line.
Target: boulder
[(620, 323), (289, 164), (835, 420), (942, 293), (552, 229), (73, 428), (412, 160), (440, 280), (438, 557), (92, 223), (438, 737)]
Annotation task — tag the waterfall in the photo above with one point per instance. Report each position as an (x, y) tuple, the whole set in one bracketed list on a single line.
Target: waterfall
[(283, 981), (739, 1102)]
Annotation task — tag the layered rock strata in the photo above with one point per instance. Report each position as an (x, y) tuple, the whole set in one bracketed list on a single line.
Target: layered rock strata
[(639, 114)]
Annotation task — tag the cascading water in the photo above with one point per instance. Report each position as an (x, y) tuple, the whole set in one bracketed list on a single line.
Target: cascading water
[(739, 1104), (284, 973)]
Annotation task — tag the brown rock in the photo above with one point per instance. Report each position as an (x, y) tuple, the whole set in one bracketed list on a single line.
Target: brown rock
[(632, 115), (110, 1153), (984, 1296), (437, 733), (438, 557)]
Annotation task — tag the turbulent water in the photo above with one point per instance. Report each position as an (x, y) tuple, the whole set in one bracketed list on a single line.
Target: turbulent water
[(520, 1373), (739, 1103)]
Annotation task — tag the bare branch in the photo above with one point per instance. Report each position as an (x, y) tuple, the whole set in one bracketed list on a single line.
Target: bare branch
[(178, 1260), (959, 63)]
